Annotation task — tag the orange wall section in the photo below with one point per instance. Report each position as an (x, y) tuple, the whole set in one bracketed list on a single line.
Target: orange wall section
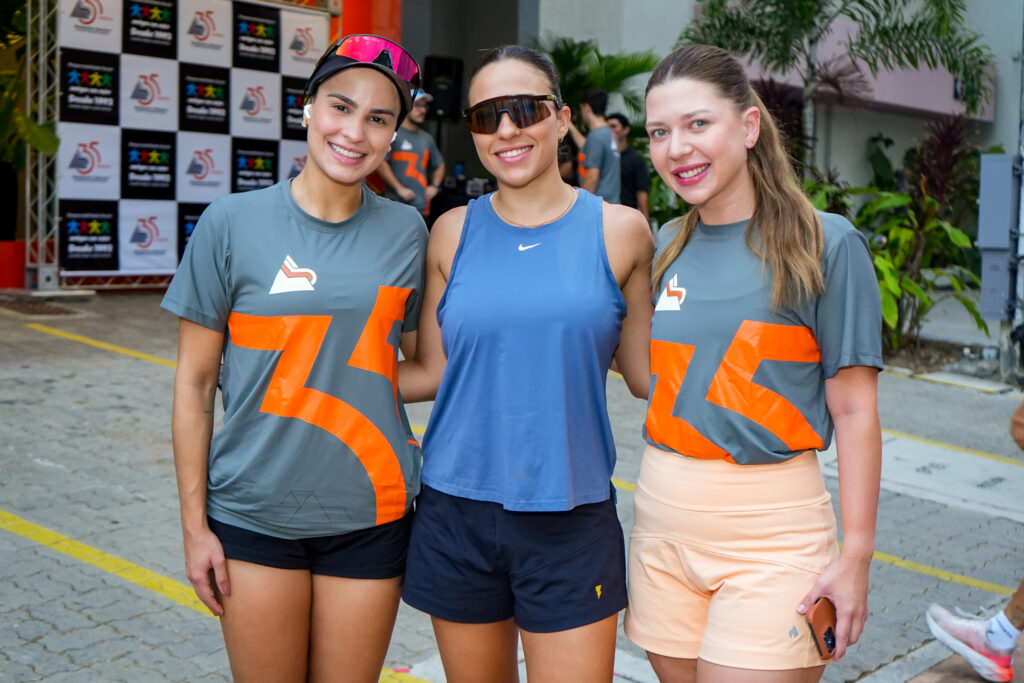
[(381, 17)]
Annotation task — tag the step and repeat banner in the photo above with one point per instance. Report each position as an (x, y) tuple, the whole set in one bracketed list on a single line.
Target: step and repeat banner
[(164, 106)]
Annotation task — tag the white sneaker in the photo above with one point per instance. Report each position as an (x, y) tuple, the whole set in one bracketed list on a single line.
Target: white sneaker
[(966, 637)]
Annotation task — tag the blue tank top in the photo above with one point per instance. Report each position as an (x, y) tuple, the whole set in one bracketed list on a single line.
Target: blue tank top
[(529, 320)]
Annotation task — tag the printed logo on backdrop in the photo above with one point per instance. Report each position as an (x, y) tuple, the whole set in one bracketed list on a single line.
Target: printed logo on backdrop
[(257, 36), (147, 233), (90, 24), (88, 235), (150, 28), (147, 164), (148, 236), (254, 164), (203, 99), (149, 90), (201, 166), (88, 166), (203, 26), (304, 36), (204, 167), (89, 89), (88, 159), (303, 46), (254, 103), (87, 11), (293, 159), (188, 217), (255, 98), (292, 91), (205, 32)]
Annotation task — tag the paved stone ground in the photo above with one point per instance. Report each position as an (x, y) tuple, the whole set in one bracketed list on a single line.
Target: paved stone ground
[(85, 451)]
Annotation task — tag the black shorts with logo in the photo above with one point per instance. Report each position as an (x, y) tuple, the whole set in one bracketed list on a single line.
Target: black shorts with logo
[(473, 561)]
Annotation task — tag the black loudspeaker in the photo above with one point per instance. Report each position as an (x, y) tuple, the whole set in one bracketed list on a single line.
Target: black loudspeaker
[(442, 78)]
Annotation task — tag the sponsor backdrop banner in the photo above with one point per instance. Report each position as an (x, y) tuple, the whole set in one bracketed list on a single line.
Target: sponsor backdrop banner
[(166, 105)]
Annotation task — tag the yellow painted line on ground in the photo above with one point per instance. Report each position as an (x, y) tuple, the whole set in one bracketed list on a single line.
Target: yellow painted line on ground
[(942, 574), (122, 568), (623, 485), (969, 451), (118, 566), (101, 345)]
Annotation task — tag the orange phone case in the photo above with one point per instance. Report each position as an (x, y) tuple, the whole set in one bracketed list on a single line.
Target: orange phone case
[(821, 618)]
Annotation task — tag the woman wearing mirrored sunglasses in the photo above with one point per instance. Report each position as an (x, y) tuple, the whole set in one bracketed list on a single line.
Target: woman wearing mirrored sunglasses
[(296, 513), (531, 293)]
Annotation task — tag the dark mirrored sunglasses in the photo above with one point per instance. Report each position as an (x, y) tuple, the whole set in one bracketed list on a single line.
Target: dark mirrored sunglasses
[(524, 110)]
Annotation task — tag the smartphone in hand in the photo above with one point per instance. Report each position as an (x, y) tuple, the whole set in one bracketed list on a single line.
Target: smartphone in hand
[(821, 618)]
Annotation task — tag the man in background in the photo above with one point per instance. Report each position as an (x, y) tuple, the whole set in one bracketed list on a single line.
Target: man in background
[(413, 170), (599, 155), (634, 187)]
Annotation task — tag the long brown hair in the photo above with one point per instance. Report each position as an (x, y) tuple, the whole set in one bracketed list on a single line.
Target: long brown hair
[(785, 230)]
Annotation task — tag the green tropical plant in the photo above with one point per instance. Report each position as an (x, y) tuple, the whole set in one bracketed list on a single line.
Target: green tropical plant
[(785, 35), (21, 130), (582, 66), (882, 172), (909, 239), (828, 192)]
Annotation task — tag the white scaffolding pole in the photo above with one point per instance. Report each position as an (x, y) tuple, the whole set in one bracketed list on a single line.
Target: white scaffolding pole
[(41, 86)]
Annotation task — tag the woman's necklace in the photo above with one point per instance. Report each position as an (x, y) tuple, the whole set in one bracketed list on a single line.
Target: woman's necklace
[(572, 200)]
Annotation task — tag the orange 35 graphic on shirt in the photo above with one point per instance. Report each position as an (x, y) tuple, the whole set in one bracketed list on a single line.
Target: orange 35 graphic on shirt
[(732, 387), (415, 167), (299, 338)]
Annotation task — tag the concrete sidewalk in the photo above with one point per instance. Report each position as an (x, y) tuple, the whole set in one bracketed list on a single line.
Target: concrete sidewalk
[(91, 577), (950, 322)]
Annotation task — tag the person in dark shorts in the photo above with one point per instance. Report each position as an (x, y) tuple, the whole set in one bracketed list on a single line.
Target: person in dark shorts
[(531, 292), (296, 513)]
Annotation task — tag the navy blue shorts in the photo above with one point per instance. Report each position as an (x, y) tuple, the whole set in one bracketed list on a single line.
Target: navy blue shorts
[(375, 553), (474, 562)]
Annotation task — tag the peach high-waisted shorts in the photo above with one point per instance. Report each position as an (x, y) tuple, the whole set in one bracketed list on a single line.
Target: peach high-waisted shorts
[(720, 556)]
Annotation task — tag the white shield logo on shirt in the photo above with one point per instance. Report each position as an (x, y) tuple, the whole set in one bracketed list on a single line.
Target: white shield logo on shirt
[(291, 278), (672, 296)]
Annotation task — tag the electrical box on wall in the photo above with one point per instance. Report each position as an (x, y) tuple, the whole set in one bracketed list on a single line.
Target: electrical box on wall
[(998, 219)]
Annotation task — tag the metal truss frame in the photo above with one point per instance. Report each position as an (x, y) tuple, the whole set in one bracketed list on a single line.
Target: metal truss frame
[(41, 90), (42, 229)]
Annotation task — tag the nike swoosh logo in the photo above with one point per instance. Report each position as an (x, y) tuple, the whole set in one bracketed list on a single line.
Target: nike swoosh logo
[(522, 248)]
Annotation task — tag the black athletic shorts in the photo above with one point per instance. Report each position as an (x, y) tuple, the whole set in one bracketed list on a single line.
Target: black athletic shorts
[(375, 553), (472, 561)]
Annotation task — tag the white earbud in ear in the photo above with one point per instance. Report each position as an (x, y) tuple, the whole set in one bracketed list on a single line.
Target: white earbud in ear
[(307, 112), (394, 136)]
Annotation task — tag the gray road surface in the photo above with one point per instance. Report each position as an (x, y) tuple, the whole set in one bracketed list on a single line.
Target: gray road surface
[(86, 466)]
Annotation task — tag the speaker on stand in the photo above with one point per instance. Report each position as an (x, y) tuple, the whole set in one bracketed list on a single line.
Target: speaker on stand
[(442, 78)]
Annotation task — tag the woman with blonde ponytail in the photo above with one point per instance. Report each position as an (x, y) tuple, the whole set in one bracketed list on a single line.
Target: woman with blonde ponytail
[(766, 339)]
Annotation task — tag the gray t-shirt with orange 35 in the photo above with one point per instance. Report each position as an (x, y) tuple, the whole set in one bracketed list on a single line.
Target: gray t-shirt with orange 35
[(315, 440), (734, 380)]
